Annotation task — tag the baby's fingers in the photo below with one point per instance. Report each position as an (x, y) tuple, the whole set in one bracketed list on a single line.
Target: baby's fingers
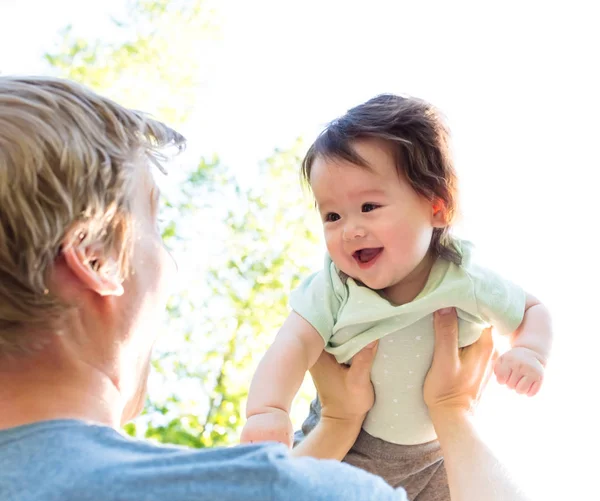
[(535, 387), (524, 385), (515, 377), (502, 371)]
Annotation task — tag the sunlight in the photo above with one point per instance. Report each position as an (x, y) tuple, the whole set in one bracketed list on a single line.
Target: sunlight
[(523, 106)]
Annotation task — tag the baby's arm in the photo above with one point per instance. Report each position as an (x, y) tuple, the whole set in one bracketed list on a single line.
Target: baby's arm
[(535, 331), (278, 377), (522, 367)]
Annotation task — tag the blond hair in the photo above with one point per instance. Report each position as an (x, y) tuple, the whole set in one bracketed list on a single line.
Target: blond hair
[(67, 156)]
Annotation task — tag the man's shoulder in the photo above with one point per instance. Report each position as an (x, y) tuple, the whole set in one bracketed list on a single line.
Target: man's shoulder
[(79, 461), (90, 462)]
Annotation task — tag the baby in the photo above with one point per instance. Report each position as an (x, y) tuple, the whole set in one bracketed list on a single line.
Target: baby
[(385, 187)]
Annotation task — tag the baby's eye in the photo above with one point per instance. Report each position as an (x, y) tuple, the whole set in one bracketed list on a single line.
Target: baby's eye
[(331, 217), (369, 207)]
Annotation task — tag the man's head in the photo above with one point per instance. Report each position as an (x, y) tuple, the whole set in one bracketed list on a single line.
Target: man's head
[(414, 134), (81, 259)]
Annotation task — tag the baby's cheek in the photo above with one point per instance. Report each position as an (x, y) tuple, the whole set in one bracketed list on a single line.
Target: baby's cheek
[(412, 244), (331, 244), (339, 258)]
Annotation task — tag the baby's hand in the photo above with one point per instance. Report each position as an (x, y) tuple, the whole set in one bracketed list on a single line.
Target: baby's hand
[(521, 369), (273, 425)]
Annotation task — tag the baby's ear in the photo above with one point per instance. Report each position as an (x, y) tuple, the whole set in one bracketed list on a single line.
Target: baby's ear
[(439, 214), (89, 262)]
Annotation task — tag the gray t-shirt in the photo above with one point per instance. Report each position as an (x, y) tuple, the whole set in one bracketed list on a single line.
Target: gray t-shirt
[(70, 460)]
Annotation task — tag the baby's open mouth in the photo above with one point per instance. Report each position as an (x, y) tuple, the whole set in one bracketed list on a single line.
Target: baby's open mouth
[(367, 255)]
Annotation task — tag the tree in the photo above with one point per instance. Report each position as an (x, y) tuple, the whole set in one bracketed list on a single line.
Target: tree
[(151, 61), (264, 252), (227, 313)]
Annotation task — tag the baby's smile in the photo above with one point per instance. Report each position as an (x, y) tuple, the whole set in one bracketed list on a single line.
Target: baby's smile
[(367, 257)]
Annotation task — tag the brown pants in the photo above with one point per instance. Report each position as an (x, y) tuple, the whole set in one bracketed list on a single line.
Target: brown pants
[(419, 469)]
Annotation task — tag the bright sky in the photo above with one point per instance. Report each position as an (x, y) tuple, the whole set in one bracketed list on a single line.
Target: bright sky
[(519, 84)]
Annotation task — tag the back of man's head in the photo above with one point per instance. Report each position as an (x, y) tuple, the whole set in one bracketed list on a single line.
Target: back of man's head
[(67, 156)]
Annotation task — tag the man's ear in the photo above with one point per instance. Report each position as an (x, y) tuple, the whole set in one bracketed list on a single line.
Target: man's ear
[(438, 214), (90, 264)]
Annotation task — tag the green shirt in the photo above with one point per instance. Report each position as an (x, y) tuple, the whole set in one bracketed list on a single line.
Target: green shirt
[(349, 315)]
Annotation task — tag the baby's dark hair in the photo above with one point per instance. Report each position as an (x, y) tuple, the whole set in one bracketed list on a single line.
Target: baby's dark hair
[(420, 140)]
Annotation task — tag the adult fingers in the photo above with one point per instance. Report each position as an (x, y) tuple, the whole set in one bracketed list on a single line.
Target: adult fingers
[(487, 353), (445, 324), (483, 350), (486, 344), (325, 365), (360, 370)]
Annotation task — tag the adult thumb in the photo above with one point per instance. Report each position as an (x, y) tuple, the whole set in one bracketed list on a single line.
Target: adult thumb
[(445, 323), (362, 362)]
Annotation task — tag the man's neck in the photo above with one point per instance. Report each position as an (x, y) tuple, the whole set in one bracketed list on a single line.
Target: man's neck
[(33, 389)]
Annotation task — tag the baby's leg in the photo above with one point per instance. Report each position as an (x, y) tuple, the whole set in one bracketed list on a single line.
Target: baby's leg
[(419, 469), (310, 422), (437, 487)]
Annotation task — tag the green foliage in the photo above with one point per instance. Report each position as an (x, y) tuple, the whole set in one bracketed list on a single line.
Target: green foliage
[(257, 240), (263, 253), (151, 60)]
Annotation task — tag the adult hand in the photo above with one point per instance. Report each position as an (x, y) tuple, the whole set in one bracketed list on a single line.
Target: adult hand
[(452, 388), (457, 375), (346, 393)]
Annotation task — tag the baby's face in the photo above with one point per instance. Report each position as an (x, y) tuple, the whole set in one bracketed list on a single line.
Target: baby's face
[(377, 228)]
